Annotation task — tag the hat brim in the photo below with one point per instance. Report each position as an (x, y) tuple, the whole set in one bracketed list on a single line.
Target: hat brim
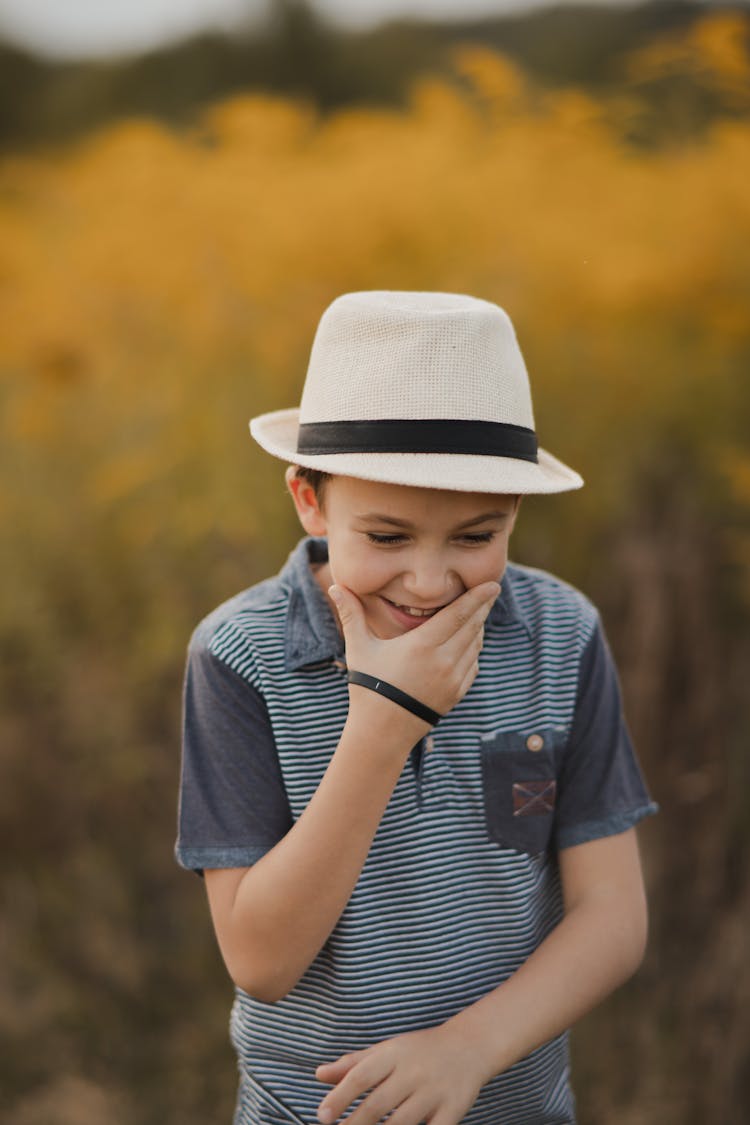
[(277, 434)]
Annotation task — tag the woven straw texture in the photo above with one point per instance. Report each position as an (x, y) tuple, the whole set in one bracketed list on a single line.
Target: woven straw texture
[(412, 355)]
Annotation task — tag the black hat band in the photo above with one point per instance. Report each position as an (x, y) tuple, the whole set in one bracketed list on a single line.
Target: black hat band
[(424, 435)]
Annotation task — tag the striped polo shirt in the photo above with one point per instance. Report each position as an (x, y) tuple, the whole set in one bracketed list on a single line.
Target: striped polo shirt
[(461, 883)]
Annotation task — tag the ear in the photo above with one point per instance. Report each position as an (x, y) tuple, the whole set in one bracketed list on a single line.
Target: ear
[(306, 502)]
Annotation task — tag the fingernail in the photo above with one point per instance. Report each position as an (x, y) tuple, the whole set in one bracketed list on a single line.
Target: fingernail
[(334, 594), (325, 1115)]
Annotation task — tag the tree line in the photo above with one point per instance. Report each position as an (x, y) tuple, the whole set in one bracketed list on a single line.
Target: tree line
[(296, 52)]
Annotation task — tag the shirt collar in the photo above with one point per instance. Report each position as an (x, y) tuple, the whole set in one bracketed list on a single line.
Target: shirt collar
[(507, 610), (312, 635)]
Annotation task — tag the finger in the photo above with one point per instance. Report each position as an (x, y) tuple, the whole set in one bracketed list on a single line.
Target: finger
[(468, 680), (463, 668), (462, 614), (412, 1111), (384, 1098), (357, 1081), (333, 1072), (468, 639), (468, 657), (444, 1115), (350, 611)]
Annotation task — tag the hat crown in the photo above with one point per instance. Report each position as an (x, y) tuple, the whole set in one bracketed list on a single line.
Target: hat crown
[(384, 354)]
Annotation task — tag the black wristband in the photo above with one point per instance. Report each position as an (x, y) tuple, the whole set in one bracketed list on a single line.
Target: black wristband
[(408, 702)]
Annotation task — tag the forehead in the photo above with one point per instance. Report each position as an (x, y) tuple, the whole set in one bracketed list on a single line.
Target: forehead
[(362, 498)]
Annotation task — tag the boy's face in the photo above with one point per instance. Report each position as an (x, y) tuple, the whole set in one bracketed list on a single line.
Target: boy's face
[(402, 549)]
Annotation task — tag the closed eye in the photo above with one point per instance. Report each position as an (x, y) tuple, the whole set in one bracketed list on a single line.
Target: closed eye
[(472, 537), (384, 540), (478, 536)]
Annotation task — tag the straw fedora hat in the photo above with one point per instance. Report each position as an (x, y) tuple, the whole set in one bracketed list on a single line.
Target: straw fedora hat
[(426, 389)]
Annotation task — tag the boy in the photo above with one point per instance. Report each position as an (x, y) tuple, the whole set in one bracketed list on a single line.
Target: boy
[(406, 775)]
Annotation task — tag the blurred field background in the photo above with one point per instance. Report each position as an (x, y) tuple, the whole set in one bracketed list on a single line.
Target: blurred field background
[(163, 266)]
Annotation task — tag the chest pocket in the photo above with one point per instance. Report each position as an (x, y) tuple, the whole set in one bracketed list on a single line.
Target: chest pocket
[(519, 784)]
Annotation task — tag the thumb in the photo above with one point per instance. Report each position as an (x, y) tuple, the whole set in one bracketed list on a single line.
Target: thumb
[(349, 609)]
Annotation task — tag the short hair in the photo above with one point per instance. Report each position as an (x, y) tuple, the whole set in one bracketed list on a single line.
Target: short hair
[(316, 478)]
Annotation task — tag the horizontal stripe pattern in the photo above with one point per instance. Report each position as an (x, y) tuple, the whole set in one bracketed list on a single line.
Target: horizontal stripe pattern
[(441, 914)]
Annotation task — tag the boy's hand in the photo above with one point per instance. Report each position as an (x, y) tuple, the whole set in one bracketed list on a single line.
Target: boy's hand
[(429, 1075), (436, 662)]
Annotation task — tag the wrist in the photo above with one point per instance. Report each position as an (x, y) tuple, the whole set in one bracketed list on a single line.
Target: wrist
[(477, 1026), (396, 695), (468, 1036), (381, 723)]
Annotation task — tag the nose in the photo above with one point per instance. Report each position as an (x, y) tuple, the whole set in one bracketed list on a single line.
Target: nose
[(429, 581)]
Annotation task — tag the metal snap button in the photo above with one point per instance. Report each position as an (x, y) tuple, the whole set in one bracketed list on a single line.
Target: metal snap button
[(534, 742)]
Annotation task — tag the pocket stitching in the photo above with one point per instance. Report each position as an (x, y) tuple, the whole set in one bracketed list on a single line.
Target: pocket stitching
[(528, 832)]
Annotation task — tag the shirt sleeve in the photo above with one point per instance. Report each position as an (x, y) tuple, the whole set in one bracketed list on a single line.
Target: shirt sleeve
[(601, 789), (233, 806)]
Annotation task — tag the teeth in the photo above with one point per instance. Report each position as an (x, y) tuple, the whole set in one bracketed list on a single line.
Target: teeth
[(416, 612)]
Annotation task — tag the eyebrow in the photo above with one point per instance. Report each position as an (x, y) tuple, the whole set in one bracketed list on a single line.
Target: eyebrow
[(380, 517)]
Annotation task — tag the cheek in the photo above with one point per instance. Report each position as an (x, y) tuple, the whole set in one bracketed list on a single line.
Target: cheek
[(355, 564), (373, 572), (487, 568)]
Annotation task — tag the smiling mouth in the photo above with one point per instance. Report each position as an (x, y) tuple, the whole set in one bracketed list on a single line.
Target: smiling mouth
[(412, 610)]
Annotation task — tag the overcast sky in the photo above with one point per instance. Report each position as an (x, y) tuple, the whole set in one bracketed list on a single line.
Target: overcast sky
[(71, 28)]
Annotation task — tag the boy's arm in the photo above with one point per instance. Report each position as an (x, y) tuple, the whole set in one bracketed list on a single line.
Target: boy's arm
[(272, 919), (599, 943), (437, 1073)]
